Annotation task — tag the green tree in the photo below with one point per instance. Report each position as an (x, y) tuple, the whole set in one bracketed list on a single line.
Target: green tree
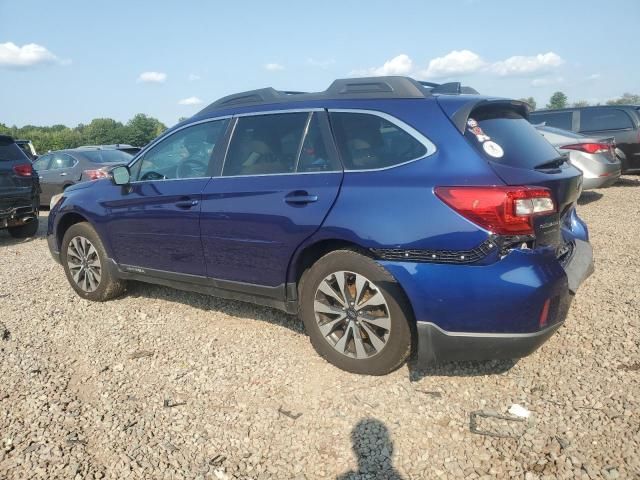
[(580, 103), (141, 129), (626, 99), (103, 131), (557, 100), (530, 100)]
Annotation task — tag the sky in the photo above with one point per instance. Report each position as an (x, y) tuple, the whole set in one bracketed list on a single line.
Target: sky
[(69, 61)]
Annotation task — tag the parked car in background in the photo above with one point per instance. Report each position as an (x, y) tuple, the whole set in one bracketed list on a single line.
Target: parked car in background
[(28, 148), (117, 146), (19, 191), (60, 169), (619, 121), (596, 158), (387, 213)]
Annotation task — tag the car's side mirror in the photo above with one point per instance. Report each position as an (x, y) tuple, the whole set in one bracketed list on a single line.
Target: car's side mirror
[(120, 175)]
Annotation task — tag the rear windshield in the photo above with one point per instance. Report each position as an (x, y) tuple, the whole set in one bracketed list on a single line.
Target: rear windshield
[(108, 156), (9, 151), (505, 137), (561, 120)]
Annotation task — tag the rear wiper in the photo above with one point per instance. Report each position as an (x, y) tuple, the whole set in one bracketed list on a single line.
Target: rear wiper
[(555, 163)]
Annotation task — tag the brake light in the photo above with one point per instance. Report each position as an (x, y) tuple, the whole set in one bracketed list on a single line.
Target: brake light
[(23, 170), (501, 210), (95, 174), (589, 147)]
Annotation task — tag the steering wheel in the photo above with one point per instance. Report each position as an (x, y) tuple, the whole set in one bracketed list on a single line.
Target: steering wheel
[(191, 168), (151, 175)]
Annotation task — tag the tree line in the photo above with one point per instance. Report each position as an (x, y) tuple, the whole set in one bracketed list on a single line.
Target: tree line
[(560, 100), (138, 131)]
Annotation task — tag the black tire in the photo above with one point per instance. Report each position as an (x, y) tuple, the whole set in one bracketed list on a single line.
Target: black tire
[(399, 342), (24, 231), (108, 286)]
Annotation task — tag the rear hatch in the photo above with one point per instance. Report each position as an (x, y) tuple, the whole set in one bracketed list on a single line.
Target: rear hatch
[(498, 129), (16, 181)]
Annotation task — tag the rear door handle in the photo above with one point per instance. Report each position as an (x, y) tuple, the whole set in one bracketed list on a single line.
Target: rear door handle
[(64, 174), (300, 197), (186, 204)]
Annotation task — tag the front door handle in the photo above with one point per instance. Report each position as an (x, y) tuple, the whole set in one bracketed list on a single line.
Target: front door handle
[(186, 204), (300, 197), (64, 174)]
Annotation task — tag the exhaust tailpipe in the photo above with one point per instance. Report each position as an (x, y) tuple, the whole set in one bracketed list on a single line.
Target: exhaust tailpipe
[(27, 219)]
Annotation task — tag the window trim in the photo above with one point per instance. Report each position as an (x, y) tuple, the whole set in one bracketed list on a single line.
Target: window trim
[(146, 149), (310, 111), (408, 129)]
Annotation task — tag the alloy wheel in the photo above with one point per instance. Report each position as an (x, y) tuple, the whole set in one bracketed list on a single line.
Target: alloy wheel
[(84, 264), (352, 314)]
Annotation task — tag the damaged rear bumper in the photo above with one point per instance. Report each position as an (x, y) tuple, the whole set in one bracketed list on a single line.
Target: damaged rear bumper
[(436, 343)]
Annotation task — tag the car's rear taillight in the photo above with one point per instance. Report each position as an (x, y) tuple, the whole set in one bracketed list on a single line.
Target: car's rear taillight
[(23, 170), (95, 174), (589, 147), (501, 210)]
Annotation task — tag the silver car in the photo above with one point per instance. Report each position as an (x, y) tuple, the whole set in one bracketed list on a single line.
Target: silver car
[(595, 157)]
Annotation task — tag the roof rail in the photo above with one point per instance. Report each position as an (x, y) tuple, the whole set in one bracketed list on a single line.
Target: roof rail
[(346, 88)]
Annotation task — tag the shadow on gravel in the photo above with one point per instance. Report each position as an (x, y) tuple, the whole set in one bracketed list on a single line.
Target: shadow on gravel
[(627, 182), (215, 304), (373, 447), (459, 369), (588, 197), (7, 240)]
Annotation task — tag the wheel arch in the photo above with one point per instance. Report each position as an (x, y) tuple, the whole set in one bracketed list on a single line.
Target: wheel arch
[(309, 254), (67, 220)]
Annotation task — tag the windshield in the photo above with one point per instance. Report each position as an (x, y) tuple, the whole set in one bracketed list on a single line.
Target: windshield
[(506, 137), (108, 156)]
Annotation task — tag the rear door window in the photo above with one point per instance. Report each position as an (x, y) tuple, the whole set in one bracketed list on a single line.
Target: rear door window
[(265, 144), (61, 160), (42, 163), (505, 137), (561, 120), (598, 119), (366, 141)]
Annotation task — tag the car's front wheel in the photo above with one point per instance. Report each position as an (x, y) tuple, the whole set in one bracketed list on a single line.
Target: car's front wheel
[(355, 313), (85, 264)]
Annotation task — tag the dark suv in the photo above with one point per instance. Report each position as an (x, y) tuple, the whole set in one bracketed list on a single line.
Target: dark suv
[(619, 121), (389, 214), (19, 191)]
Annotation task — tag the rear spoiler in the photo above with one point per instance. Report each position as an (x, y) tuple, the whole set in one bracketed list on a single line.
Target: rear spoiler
[(462, 113)]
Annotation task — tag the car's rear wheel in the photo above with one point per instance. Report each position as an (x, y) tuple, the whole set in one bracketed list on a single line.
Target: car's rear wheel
[(27, 230), (85, 264), (355, 313)]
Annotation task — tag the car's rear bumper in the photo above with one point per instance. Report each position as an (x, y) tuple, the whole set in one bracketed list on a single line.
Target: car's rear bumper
[(437, 345), (502, 310), (607, 177), (17, 211)]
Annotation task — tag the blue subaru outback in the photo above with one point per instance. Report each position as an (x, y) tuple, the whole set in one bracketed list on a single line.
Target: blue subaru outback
[(393, 216)]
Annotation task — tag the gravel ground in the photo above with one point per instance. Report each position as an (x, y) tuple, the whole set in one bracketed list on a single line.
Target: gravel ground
[(167, 384)]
